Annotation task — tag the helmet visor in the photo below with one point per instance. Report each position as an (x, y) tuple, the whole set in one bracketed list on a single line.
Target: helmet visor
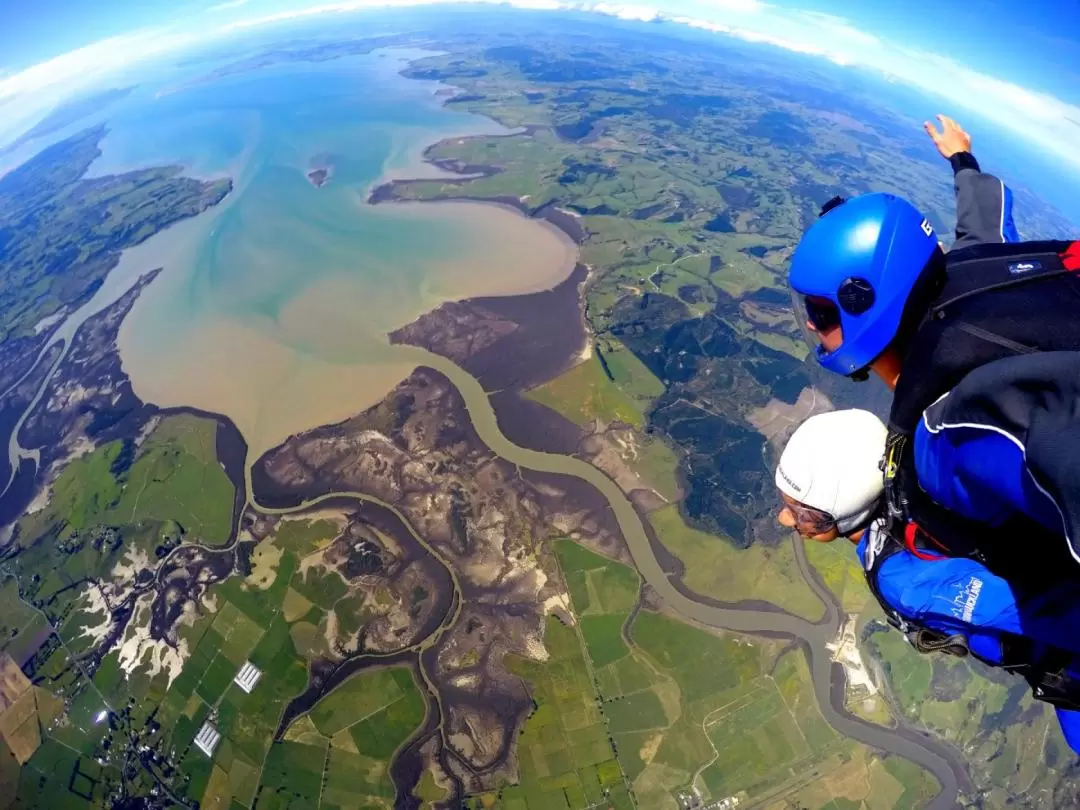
[(822, 313), (816, 317)]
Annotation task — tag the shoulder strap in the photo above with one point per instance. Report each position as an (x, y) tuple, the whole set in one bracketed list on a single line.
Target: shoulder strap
[(1012, 346), (901, 494), (959, 334), (968, 277), (897, 511)]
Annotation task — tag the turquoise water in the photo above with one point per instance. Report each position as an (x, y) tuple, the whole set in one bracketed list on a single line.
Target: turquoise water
[(275, 305)]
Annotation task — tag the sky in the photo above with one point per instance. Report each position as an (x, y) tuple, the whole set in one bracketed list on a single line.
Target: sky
[(1016, 64)]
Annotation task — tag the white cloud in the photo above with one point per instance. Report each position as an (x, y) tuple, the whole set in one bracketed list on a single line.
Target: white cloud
[(229, 4), (1039, 117), (627, 11), (761, 38), (26, 96), (359, 5), (739, 6), (837, 27)]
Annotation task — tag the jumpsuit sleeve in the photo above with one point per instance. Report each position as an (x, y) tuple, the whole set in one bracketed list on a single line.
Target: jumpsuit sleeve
[(980, 474), (984, 205), (1070, 727), (959, 595)]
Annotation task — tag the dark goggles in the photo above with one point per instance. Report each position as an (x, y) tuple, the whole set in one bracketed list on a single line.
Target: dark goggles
[(822, 313), (808, 520)]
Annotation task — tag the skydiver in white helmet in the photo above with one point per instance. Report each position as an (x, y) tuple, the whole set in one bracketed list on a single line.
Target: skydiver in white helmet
[(831, 485)]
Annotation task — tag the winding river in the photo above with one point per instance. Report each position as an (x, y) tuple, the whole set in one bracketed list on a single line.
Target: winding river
[(828, 678)]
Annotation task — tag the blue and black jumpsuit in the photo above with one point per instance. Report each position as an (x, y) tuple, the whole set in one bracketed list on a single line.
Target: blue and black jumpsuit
[(957, 595)]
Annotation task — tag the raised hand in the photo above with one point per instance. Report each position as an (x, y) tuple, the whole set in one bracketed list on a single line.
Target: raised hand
[(951, 139)]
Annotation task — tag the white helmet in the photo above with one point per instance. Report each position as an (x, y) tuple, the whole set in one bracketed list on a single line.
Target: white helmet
[(832, 463)]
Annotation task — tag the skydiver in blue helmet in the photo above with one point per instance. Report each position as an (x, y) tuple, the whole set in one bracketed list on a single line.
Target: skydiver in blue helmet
[(981, 346), (831, 487)]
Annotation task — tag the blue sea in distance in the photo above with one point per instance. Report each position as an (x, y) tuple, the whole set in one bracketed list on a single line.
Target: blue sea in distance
[(274, 306)]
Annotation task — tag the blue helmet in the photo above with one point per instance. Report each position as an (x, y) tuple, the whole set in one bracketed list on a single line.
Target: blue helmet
[(864, 258)]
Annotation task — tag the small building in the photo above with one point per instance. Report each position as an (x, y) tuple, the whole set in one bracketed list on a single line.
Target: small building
[(207, 739), (247, 677)]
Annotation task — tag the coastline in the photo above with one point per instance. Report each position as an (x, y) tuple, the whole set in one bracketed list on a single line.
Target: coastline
[(383, 191), (519, 362), (523, 421), (507, 379), (485, 253)]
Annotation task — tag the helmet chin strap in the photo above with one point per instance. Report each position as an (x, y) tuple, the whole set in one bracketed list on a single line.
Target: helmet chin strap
[(862, 375), (856, 522), (859, 522)]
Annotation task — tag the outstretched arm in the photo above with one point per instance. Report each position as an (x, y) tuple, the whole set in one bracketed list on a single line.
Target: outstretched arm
[(983, 202)]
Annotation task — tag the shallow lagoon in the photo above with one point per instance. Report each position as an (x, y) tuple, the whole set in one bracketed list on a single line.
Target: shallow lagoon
[(274, 306)]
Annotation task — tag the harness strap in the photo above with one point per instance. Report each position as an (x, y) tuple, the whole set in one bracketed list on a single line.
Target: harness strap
[(992, 337), (881, 545), (918, 524), (926, 640), (895, 499), (899, 524), (972, 277), (912, 534), (1002, 285)]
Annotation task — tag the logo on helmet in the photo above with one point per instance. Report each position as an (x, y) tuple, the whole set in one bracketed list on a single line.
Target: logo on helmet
[(927, 228), (787, 478)]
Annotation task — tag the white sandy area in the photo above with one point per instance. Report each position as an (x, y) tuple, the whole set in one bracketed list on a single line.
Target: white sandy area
[(125, 570), (559, 601), (139, 650), (95, 604), (845, 651)]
